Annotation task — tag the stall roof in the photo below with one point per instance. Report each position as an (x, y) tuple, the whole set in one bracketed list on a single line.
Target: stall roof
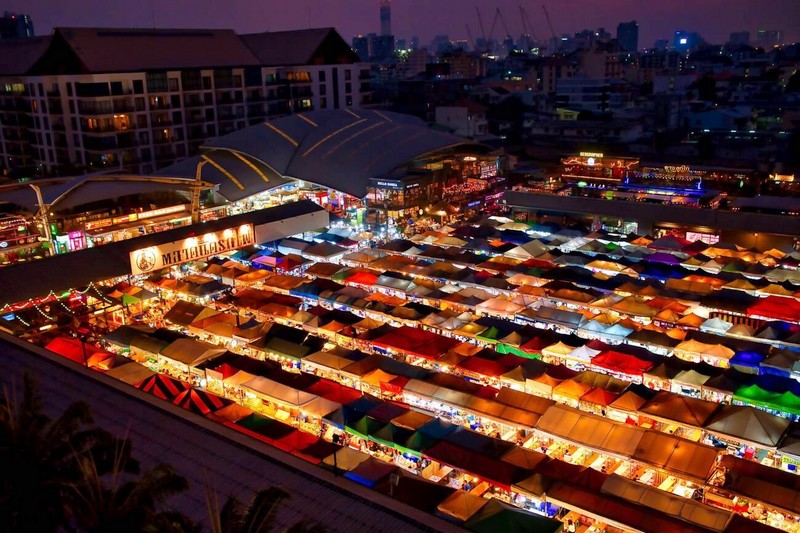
[(593, 431), (682, 457), (678, 408), (278, 392), (749, 425), (191, 352)]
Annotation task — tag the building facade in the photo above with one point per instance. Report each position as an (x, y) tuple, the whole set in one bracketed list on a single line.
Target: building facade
[(15, 26), (139, 100)]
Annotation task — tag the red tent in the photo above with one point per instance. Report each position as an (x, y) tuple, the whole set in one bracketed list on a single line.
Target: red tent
[(316, 452), (776, 307), (363, 278), (163, 387), (484, 367), (621, 362), (200, 402), (296, 440), (72, 349), (335, 392), (417, 342), (500, 473)]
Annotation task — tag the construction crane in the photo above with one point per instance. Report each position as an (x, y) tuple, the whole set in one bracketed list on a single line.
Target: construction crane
[(526, 27), (471, 40), (480, 23), (503, 22), (550, 24)]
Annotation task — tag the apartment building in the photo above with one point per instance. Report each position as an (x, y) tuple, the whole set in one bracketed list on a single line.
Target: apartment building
[(92, 99)]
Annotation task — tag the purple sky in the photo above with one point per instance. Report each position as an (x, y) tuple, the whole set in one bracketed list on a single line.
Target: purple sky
[(713, 19)]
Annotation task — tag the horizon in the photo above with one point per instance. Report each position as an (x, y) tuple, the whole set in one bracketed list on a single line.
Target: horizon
[(426, 19)]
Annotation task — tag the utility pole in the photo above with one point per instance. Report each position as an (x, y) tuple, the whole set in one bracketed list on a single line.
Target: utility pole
[(43, 219)]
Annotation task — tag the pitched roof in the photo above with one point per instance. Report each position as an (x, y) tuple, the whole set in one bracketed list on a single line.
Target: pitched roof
[(314, 46), (17, 56), (138, 49)]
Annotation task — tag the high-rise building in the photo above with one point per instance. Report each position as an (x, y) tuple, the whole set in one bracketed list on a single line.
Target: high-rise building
[(739, 37), (628, 36), (15, 26), (141, 99), (361, 46), (386, 17), (767, 39)]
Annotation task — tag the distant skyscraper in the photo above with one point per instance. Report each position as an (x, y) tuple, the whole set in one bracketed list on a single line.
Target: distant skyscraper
[(386, 17), (628, 36), (739, 37), (15, 26), (769, 38), (361, 46), (686, 41)]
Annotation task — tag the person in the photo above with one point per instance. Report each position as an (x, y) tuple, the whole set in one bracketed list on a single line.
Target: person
[(571, 526)]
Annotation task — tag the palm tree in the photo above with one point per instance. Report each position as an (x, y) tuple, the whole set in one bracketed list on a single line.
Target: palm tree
[(40, 457), (258, 517), (117, 503)]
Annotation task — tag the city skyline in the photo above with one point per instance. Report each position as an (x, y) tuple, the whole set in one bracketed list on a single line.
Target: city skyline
[(712, 19)]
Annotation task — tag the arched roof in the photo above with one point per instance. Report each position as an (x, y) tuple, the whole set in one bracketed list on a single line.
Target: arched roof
[(68, 192), (339, 149)]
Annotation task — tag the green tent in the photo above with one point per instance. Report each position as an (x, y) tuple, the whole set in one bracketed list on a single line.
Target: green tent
[(496, 516), (489, 335), (364, 427), (755, 395), (787, 402)]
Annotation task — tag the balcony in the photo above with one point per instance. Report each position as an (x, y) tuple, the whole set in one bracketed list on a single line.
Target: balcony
[(194, 102)]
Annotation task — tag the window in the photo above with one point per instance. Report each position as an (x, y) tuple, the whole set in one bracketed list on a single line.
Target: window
[(322, 76), (69, 89), (348, 101), (348, 87), (175, 100), (206, 82), (138, 87), (323, 89), (347, 75), (139, 104), (323, 103), (156, 82), (173, 85), (176, 117)]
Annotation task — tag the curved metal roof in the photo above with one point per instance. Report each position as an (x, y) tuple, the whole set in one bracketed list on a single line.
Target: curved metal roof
[(339, 149), (68, 192)]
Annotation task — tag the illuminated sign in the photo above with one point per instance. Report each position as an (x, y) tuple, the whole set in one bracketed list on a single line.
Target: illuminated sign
[(104, 223), (597, 155), (386, 184), (174, 253), (676, 169), (488, 171)]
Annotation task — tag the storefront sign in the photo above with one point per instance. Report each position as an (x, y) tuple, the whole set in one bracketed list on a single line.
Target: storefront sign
[(174, 253), (132, 217), (97, 224), (676, 169), (474, 203), (598, 155), (387, 184)]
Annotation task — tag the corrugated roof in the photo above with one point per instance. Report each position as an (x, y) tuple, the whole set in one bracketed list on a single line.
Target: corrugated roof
[(340, 149), (139, 49)]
